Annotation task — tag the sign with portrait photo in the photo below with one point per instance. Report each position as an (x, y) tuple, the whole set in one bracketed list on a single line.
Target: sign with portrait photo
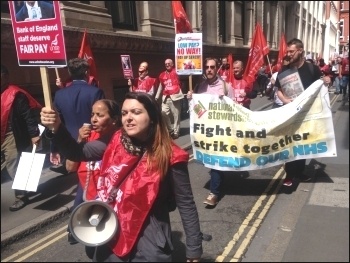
[(38, 33), (126, 66)]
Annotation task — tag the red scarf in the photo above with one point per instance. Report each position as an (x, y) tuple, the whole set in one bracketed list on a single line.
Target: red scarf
[(136, 194), (170, 82), (7, 99), (91, 168)]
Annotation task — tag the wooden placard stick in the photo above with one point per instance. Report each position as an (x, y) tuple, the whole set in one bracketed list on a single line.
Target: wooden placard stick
[(190, 82), (46, 86)]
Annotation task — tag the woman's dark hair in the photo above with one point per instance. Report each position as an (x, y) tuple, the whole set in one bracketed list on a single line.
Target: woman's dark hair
[(113, 108)]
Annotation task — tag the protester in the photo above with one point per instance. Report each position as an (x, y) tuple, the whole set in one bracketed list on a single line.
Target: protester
[(336, 79), (242, 92), (144, 83), (33, 10), (19, 130), (272, 88), (150, 170), (74, 105), (308, 73), (216, 86), (223, 71), (344, 75), (171, 96)]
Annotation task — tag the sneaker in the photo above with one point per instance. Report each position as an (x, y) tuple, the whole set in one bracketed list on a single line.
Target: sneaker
[(19, 204), (211, 200), (71, 239), (287, 182), (336, 93), (304, 178), (59, 169)]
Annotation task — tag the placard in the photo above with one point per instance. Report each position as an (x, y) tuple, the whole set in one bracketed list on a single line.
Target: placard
[(38, 33), (126, 66)]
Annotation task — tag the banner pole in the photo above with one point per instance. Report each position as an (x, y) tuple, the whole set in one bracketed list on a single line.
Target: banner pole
[(190, 82)]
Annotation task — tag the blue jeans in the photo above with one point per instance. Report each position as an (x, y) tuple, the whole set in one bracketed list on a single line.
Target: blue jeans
[(344, 83), (336, 84), (216, 178)]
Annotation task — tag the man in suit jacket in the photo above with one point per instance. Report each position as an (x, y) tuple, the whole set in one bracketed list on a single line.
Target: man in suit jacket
[(74, 105), (32, 10)]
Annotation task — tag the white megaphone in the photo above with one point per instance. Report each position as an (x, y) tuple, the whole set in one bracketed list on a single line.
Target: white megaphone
[(93, 223)]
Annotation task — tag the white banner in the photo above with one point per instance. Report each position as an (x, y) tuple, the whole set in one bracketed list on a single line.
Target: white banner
[(228, 137)]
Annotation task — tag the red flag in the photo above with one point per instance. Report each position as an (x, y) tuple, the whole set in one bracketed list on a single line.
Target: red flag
[(281, 52), (258, 50), (85, 52), (230, 72), (181, 22)]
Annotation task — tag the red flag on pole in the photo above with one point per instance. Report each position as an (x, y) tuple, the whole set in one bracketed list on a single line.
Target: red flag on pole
[(85, 52), (281, 52), (258, 50), (181, 22), (230, 72)]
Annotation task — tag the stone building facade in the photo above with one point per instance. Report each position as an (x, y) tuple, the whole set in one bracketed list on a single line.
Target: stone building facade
[(145, 31)]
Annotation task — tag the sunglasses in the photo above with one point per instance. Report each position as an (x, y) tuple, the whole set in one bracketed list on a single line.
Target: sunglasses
[(211, 67), (166, 64)]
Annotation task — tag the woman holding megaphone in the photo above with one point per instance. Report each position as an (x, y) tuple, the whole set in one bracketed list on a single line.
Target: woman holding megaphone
[(142, 170)]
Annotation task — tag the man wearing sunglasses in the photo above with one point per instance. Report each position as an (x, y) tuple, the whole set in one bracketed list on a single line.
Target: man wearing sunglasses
[(144, 83), (223, 71), (308, 74), (216, 86), (170, 92)]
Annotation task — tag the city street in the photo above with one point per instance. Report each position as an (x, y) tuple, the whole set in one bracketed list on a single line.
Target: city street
[(257, 220)]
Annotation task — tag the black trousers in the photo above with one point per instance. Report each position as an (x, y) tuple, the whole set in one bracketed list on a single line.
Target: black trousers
[(294, 168)]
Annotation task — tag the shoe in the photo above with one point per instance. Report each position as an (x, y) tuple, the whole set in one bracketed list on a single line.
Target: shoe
[(59, 169), (175, 136), (336, 93), (71, 239), (287, 182), (19, 204), (304, 178), (211, 200)]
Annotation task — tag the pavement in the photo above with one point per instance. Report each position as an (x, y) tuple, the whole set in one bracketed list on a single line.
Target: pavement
[(320, 207)]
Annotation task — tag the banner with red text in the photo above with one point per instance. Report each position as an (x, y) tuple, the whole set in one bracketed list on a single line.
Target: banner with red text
[(38, 33), (188, 53), (228, 137)]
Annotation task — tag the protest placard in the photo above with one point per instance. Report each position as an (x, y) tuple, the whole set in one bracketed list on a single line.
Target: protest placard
[(188, 54)]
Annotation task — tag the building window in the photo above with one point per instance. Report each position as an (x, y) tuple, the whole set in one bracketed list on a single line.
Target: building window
[(222, 21), (341, 29), (123, 14), (341, 5), (239, 19), (5, 7), (85, 2)]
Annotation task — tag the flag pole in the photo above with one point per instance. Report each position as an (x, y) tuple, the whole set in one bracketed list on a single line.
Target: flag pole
[(57, 75)]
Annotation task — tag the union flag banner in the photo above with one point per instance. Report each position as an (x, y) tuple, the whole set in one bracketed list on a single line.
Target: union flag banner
[(86, 53), (181, 22), (281, 52), (258, 50)]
